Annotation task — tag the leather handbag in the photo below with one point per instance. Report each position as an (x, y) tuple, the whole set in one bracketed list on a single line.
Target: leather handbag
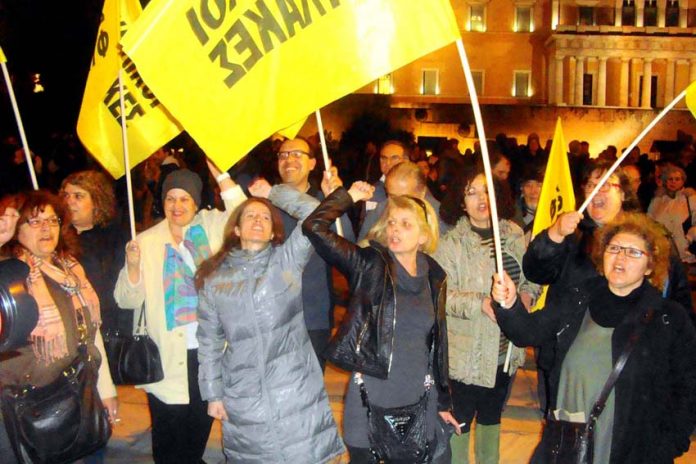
[(565, 442), (133, 359), (399, 435), (62, 421)]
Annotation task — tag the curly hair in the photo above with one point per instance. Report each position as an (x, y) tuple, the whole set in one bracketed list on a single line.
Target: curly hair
[(638, 225), (630, 200), (30, 205), (100, 189), (231, 240), (425, 215)]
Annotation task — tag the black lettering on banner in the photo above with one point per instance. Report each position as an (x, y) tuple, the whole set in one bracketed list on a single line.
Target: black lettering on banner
[(291, 15), (556, 206), (212, 14), (245, 43), (237, 70), (102, 43), (128, 102), (266, 24)]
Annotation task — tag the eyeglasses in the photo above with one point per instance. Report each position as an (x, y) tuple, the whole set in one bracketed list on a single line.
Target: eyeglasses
[(590, 186), (36, 223), (631, 252), (295, 154)]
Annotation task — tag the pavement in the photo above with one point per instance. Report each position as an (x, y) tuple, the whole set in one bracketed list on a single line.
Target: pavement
[(521, 425)]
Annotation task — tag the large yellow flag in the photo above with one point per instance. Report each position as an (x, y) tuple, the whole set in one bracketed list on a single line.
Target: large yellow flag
[(235, 72), (149, 126), (557, 194), (691, 98)]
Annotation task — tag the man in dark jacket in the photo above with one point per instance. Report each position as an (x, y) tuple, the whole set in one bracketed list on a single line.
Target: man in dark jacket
[(296, 161)]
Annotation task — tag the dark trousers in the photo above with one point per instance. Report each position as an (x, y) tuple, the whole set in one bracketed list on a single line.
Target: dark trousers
[(180, 431), (320, 340), (486, 404)]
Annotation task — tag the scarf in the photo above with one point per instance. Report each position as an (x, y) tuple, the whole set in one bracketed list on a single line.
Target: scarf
[(608, 309), (180, 296), (48, 337)]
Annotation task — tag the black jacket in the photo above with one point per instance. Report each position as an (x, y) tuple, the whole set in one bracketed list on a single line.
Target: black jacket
[(365, 339), (655, 409), (565, 264)]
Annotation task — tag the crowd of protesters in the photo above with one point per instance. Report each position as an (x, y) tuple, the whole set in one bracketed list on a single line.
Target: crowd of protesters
[(239, 297)]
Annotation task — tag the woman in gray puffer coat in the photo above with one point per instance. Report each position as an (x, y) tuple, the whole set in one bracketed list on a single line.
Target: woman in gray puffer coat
[(258, 370)]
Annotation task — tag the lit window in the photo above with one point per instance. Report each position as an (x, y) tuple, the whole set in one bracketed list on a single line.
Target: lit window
[(586, 16), (523, 19), (628, 13), (478, 81), (384, 85), (672, 13), (430, 84), (521, 87), (650, 13), (477, 18)]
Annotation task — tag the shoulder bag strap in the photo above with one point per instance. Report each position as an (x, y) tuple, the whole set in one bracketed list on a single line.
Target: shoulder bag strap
[(141, 328), (618, 368)]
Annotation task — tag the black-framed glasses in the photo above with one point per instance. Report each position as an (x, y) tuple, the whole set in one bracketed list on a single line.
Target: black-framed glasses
[(590, 186), (420, 203), (37, 223), (295, 154), (631, 252)]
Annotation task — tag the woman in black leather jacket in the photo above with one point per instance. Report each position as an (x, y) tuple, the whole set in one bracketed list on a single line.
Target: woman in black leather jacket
[(396, 311)]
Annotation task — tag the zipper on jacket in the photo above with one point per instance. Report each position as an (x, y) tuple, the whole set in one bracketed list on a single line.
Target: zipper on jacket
[(361, 335), (391, 352), (558, 334)]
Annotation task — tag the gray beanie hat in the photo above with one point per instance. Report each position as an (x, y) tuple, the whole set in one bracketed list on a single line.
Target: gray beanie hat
[(183, 179)]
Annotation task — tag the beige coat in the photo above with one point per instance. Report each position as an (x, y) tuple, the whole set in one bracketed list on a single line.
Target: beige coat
[(474, 338)]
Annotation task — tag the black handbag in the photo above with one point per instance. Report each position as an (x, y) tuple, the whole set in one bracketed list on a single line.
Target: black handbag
[(133, 359), (60, 422), (399, 435), (565, 442)]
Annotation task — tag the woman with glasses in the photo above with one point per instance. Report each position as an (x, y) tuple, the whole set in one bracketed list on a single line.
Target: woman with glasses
[(651, 411), (675, 209), (477, 347), (394, 337), (64, 296)]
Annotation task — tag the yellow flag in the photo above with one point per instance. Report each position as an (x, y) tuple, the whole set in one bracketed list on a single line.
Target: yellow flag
[(148, 125), (557, 194), (3, 59), (235, 72), (691, 98)]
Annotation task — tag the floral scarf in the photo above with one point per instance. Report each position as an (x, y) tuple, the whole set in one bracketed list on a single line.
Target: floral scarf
[(48, 338)]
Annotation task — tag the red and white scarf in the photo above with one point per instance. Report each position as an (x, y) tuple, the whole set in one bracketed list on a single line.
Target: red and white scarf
[(48, 338)]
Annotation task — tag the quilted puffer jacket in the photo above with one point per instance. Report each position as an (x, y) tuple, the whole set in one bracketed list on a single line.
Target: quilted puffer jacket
[(255, 354)]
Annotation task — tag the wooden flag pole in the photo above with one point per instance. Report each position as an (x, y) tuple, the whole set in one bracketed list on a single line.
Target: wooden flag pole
[(628, 150), (126, 157), (489, 174), (327, 161), (18, 118)]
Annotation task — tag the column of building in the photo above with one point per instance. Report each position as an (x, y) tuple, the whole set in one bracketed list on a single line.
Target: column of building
[(647, 83), (579, 77)]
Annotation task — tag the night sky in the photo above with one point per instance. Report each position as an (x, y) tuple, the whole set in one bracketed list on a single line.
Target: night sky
[(55, 39)]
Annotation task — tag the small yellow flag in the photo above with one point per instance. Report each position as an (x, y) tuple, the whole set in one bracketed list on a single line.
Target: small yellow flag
[(235, 72), (557, 195), (691, 98), (148, 125), (3, 58)]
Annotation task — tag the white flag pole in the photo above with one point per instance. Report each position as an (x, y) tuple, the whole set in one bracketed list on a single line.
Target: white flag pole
[(126, 157), (20, 126), (327, 161), (628, 150), (489, 175)]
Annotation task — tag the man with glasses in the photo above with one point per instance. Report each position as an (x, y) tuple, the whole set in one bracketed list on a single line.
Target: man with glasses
[(296, 161)]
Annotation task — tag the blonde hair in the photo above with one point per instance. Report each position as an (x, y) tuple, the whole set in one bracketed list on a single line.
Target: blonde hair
[(425, 216)]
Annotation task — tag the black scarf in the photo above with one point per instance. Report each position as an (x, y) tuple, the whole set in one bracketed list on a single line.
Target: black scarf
[(608, 309)]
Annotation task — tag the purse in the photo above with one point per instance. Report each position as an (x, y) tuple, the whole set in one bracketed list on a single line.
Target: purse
[(399, 435), (565, 442), (133, 359), (62, 421)]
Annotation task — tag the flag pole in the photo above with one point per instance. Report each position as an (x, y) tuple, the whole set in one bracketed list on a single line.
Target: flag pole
[(18, 118), (489, 175), (628, 150), (327, 161), (126, 157)]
